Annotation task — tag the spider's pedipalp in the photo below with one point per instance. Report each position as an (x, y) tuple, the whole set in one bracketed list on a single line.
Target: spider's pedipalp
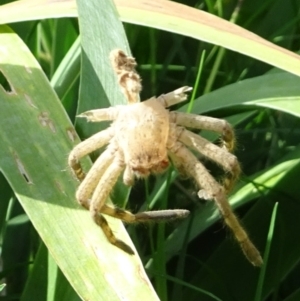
[(99, 115), (121, 62), (128, 176), (174, 97), (86, 147), (216, 192), (88, 185), (219, 155), (206, 123)]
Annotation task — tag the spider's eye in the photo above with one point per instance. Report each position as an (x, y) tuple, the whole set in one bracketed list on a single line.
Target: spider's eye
[(164, 164), (160, 167)]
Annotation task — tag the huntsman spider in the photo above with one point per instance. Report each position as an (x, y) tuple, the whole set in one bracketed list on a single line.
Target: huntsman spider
[(141, 140)]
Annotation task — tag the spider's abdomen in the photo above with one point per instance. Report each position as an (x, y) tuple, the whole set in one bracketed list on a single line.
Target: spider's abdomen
[(142, 131)]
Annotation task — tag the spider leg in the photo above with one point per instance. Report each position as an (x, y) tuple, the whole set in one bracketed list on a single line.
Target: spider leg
[(145, 216), (206, 123), (100, 195), (102, 191), (99, 115), (174, 97), (141, 217), (196, 170), (219, 155), (101, 179), (89, 183), (86, 147)]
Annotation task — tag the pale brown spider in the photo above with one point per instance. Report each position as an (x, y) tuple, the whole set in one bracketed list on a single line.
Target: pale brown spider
[(141, 139)]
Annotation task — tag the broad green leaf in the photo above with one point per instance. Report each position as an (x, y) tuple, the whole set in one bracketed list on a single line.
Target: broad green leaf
[(170, 16), (99, 86), (36, 137)]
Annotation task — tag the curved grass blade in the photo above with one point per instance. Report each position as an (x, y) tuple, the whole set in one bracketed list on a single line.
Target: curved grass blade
[(68, 71), (188, 21), (262, 275), (170, 16), (279, 91)]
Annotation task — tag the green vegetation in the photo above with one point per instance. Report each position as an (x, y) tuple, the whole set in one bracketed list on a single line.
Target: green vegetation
[(50, 248)]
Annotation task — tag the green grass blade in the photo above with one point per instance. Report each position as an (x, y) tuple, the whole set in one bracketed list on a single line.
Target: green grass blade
[(68, 71), (36, 137), (294, 297), (6, 195), (29, 10), (185, 20), (193, 287), (279, 91), (262, 275), (99, 86), (173, 17), (37, 283), (46, 282)]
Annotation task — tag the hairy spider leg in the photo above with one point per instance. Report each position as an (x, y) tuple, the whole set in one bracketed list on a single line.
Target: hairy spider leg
[(86, 147), (206, 123), (99, 182), (197, 171), (98, 115), (211, 151), (174, 97), (228, 141), (145, 216), (100, 195), (88, 185), (203, 123), (98, 207)]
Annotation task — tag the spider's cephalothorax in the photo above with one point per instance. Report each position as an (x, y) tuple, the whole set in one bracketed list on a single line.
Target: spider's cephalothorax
[(140, 141)]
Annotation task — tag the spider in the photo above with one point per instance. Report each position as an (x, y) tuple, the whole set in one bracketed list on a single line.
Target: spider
[(141, 140)]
